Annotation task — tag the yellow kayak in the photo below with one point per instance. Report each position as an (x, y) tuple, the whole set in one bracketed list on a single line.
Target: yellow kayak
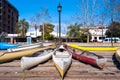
[(94, 48)]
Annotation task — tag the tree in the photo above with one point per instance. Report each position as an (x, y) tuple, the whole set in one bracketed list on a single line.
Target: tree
[(87, 14), (74, 30), (113, 29), (40, 18), (22, 27), (83, 35), (48, 28), (113, 8)]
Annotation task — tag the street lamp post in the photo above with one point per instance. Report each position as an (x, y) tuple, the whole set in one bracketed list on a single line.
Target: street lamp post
[(59, 7)]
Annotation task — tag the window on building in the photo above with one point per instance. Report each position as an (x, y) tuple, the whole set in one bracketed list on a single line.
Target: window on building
[(95, 37), (8, 16), (4, 12), (0, 11), (9, 10), (12, 13), (100, 37), (0, 5), (9, 22)]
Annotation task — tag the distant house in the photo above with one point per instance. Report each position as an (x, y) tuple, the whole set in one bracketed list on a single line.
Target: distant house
[(55, 34), (33, 34), (97, 34)]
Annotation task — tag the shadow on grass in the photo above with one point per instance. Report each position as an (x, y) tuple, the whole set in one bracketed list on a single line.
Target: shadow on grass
[(115, 61)]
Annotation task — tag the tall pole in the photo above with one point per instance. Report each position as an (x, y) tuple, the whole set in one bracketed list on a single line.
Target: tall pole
[(43, 31), (59, 11), (59, 27), (111, 31)]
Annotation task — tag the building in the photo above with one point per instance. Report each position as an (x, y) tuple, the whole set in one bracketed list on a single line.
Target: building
[(8, 17), (34, 34), (97, 34)]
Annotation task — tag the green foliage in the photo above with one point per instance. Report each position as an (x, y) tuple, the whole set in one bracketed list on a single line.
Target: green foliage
[(113, 29), (76, 31), (83, 34), (48, 28), (22, 27)]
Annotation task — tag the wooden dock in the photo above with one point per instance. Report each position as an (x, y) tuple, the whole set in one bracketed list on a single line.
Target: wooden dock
[(77, 71)]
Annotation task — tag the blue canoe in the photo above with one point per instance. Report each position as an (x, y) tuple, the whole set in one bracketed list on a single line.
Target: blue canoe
[(4, 46)]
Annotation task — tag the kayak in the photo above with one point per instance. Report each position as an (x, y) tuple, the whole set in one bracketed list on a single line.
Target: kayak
[(37, 58), (94, 48), (62, 60), (5, 46)]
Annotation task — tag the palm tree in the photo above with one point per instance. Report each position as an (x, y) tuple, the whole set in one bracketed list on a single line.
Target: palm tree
[(22, 27), (74, 30)]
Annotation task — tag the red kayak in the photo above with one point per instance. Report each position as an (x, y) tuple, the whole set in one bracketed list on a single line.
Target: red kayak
[(88, 57)]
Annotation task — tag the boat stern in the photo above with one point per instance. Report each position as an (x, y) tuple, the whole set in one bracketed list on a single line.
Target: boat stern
[(117, 55), (101, 62)]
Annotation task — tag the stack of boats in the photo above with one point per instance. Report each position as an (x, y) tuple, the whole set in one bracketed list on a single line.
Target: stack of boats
[(34, 54), (16, 53)]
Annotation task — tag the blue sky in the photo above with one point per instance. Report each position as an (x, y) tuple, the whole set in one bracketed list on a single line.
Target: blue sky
[(29, 8), (70, 9)]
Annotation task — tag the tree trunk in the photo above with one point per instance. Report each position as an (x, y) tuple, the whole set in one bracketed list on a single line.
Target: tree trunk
[(88, 37)]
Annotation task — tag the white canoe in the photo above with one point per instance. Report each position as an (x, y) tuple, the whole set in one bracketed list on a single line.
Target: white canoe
[(117, 54), (37, 58), (24, 47), (62, 60)]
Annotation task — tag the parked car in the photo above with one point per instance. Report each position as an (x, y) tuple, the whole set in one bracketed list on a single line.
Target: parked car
[(113, 39)]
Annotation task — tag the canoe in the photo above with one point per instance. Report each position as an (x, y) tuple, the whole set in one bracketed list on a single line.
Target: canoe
[(117, 54), (8, 56), (24, 47), (37, 58), (89, 57), (62, 60), (5, 46), (94, 48)]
